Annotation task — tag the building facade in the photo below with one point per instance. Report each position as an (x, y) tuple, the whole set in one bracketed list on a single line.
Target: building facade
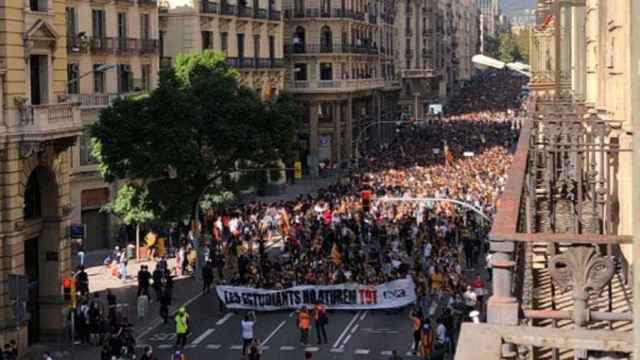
[(340, 68), (437, 39), (113, 51), (250, 34), (38, 126)]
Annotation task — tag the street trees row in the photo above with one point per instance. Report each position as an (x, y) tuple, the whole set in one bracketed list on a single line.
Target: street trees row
[(187, 138)]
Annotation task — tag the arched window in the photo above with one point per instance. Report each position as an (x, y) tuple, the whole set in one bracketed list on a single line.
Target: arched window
[(326, 39), (299, 40)]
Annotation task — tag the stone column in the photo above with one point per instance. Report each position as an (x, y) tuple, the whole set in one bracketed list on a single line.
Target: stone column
[(348, 132), (502, 307), (313, 156)]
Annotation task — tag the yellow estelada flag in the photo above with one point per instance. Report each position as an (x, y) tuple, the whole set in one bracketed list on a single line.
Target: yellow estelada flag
[(336, 257)]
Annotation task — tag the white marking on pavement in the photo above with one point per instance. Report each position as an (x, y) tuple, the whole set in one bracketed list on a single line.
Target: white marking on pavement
[(235, 347), (311, 349), (386, 353), (337, 350), (224, 319), (165, 346), (346, 340), (353, 329), (214, 346), (362, 351), (411, 353), (364, 315), (158, 321), (291, 315), (344, 332), (286, 348), (200, 338), (141, 346), (274, 332)]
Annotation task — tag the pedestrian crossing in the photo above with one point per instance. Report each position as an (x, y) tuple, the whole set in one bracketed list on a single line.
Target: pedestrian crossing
[(283, 348)]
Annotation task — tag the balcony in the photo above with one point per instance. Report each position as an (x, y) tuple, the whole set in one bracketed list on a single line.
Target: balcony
[(151, 3), (124, 2), (358, 16), (102, 45), (275, 15), (335, 13), (229, 10), (97, 100), (149, 46), (418, 73), (51, 121), (75, 45), (330, 49), (245, 11), (373, 19), (557, 257), (127, 46), (333, 86), (261, 14), (210, 7), (268, 63)]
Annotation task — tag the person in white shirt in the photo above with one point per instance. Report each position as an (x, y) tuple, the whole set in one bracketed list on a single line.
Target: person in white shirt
[(441, 334), (470, 299), (247, 331)]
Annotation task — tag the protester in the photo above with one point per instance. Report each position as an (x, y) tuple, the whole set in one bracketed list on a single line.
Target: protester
[(182, 327), (321, 319), (304, 324), (247, 331)]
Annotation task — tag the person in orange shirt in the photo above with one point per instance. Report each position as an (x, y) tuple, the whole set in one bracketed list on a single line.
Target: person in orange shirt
[(304, 323), (416, 325), (321, 318)]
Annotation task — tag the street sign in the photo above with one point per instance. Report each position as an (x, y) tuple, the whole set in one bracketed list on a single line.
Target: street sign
[(18, 287), (297, 166)]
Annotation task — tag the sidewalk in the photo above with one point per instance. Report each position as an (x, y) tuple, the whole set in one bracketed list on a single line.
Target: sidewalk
[(186, 289), (308, 185)]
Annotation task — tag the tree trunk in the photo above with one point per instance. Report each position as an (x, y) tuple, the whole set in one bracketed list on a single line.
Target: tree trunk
[(137, 243)]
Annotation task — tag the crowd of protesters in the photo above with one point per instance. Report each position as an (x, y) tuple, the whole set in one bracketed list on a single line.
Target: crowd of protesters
[(329, 238)]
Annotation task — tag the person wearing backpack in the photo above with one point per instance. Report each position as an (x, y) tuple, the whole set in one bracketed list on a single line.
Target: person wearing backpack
[(322, 319)]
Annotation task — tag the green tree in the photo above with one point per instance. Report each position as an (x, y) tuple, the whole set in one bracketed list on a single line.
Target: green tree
[(522, 42), (507, 48), (133, 207), (187, 138), (492, 46)]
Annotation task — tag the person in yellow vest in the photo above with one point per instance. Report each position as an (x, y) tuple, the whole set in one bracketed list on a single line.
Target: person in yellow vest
[(182, 327)]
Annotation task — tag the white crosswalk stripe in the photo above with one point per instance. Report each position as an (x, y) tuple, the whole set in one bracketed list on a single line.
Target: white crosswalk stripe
[(386, 353), (165, 346), (214, 346), (311, 349), (337, 350), (362, 351), (235, 347), (286, 348)]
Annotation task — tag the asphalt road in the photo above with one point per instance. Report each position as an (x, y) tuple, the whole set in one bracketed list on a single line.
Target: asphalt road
[(352, 334)]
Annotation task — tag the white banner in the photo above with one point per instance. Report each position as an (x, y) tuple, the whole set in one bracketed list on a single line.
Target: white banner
[(393, 294)]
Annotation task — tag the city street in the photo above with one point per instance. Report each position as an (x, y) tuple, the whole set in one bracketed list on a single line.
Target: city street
[(352, 334)]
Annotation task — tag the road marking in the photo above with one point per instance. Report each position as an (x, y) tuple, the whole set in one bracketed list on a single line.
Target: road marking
[(200, 338), (274, 332), (224, 319), (286, 348), (165, 346), (411, 353), (159, 321), (364, 315), (235, 347), (311, 349), (386, 353), (337, 350), (214, 346), (141, 346), (353, 329), (362, 352), (346, 340), (292, 313), (346, 329)]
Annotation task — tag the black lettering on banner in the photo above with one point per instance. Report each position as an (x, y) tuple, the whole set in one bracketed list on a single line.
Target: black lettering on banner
[(298, 297)]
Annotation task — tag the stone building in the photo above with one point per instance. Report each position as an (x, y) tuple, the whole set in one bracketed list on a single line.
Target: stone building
[(437, 39), (249, 33), (112, 52), (563, 235), (340, 67), (38, 125)]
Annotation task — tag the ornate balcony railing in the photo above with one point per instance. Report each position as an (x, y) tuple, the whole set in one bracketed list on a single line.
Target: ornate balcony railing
[(337, 13), (256, 63), (245, 11), (324, 86), (329, 49), (50, 121), (260, 14), (209, 7), (149, 46), (102, 44), (227, 9), (554, 237), (275, 15)]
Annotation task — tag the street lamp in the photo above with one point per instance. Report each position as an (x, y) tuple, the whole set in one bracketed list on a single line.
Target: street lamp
[(101, 68)]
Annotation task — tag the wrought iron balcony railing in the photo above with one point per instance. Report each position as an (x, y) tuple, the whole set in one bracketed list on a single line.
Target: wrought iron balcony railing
[(330, 49), (209, 7), (227, 9), (275, 15), (102, 45)]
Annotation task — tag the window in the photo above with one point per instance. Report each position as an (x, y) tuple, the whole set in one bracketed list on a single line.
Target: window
[(98, 79), (240, 38), (300, 71), (326, 71), (146, 77), (256, 46), (73, 84), (224, 42), (122, 31), (272, 47), (38, 5), (144, 26), (125, 78), (71, 22), (207, 40), (32, 198), (326, 113), (98, 23), (85, 150), (39, 79)]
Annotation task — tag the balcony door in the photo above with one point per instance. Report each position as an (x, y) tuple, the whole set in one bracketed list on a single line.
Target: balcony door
[(240, 47), (98, 23), (39, 79), (122, 30)]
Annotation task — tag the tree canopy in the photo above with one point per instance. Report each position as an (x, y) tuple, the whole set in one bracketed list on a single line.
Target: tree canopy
[(187, 137)]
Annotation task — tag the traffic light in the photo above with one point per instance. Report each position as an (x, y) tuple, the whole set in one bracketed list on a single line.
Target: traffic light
[(366, 201), (66, 284)]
